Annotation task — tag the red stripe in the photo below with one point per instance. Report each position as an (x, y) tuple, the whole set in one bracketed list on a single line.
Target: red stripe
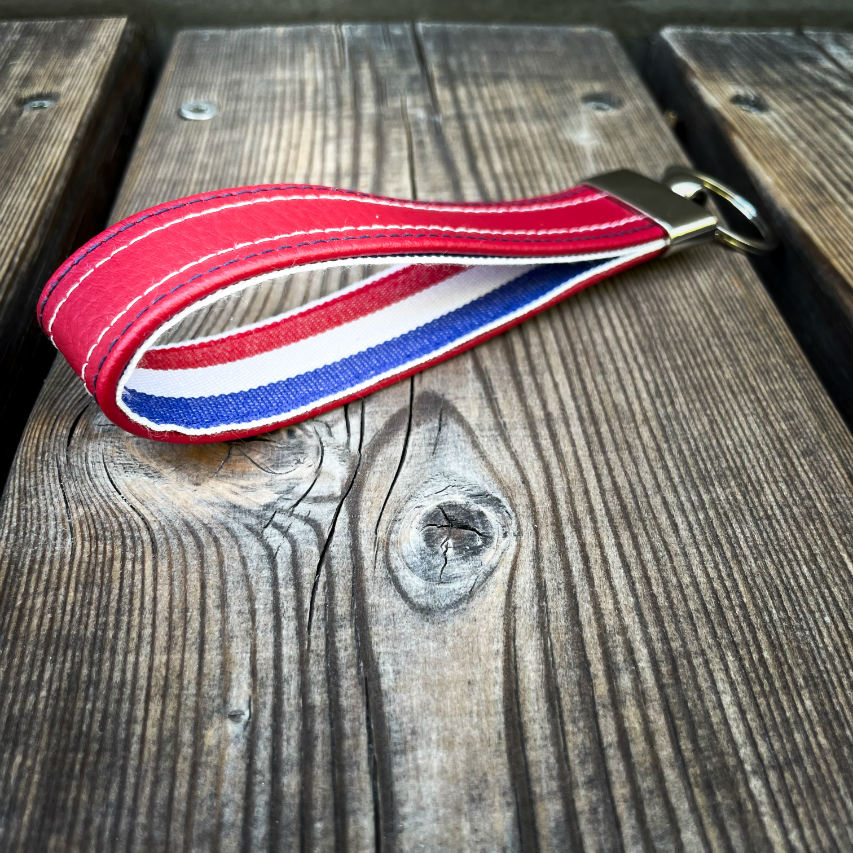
[(349, 306)]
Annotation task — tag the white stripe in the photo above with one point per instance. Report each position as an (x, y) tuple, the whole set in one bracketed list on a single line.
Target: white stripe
[(402, 260), (573, 284), (329, 346)]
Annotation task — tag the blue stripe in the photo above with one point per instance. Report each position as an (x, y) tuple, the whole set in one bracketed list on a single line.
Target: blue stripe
[(280, 398)]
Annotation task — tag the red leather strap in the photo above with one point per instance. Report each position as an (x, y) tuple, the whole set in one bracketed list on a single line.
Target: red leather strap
[(105, 306)]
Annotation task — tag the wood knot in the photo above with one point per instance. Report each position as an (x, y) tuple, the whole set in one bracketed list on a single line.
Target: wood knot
[(257, 470), (446, 544)]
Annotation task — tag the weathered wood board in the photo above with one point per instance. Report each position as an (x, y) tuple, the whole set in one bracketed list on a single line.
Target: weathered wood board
[(68, 91), (587, 585), (775, 105)]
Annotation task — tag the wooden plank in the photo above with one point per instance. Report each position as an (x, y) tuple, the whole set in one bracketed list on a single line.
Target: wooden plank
[(838, 46), (69, 91), (773, 107), (588, 584)]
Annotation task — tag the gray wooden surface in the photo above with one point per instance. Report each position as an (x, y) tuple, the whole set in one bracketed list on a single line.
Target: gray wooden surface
[(775, 106), (68, 89), (587, 585)]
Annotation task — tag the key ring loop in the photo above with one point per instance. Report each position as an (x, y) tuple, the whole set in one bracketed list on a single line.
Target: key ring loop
[(693, 185)]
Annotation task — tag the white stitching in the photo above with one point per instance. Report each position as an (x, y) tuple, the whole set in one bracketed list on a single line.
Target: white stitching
[(173, 273), (267, 199)]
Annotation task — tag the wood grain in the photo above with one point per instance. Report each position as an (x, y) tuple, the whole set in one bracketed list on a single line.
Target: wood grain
[(773, 107), (59, 169), (585, 586)]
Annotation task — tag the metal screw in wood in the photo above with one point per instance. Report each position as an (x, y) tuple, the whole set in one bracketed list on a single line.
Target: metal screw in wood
[(197, 110), (34, 104)]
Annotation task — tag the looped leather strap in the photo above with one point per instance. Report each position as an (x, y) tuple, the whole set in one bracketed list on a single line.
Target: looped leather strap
[(461, 273)]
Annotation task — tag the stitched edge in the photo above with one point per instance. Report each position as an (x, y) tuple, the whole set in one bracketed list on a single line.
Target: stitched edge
[(341, 195), (367, 200), (162, 296), (600, 228), (578, 228)]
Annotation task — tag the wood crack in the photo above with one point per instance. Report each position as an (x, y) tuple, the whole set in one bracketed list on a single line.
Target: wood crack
[(325, 547), (402, 460)]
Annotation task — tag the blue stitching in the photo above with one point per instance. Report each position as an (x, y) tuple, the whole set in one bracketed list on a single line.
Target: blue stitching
[(278, 188), (342, 239)]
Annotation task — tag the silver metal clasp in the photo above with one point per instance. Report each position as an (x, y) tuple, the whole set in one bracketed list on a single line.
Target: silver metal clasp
[(675, 203), (696, 186)]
